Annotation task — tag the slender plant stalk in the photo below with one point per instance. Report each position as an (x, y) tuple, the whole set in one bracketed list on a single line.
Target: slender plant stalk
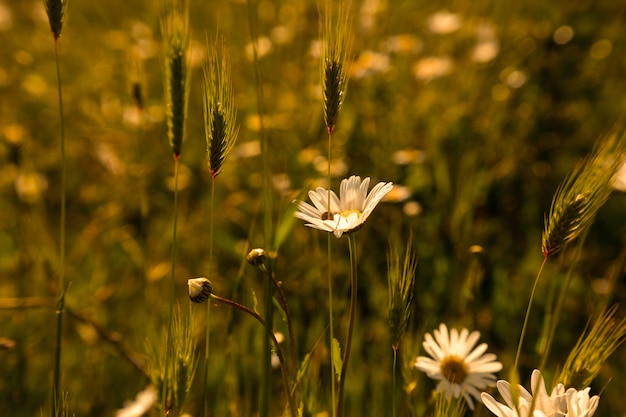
[(334, 80), (267, 217), (351, 319), (283, 303), (172, 285), (331, 331), (554, 320), (205, 382), (393, 382), (62, 288), (530, 302), (270, 335)]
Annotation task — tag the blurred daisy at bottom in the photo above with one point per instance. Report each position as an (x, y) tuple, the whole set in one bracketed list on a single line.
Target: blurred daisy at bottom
[(560, 402), (459, 366)]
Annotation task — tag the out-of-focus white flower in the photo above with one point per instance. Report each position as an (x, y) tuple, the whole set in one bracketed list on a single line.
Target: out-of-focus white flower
[(485, 51), (432, 67), (263, 47), (368, 63), (444, 22), (560, 403), (30, 186), (460, 368), (140, 406), (348, 212)]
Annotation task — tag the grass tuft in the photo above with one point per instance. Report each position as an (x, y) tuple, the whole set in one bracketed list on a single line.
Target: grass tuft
[(401, 280), (336, 49), (55, 9), (582, 193), (593, 349), (220, 114), (175, 28)]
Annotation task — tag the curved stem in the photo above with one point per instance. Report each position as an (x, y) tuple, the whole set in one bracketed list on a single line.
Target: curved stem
[(530, 302), (561, 300), (353, 293), (279, 352)]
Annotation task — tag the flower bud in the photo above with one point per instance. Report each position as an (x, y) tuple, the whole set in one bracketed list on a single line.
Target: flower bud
[(200, 289), (256, 257)]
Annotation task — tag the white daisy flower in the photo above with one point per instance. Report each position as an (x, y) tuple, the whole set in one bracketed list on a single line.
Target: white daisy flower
[(560, 403), (348, 212), (460, 368)]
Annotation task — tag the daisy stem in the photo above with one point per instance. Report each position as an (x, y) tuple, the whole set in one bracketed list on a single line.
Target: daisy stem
[(270, 334), (57, 356), (205, 383), (172, 288), (351, 318), (530, 302), (333, 378)]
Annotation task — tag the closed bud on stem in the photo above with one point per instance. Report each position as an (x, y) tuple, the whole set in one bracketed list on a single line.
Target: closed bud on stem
[(256, 257), (200, 289)]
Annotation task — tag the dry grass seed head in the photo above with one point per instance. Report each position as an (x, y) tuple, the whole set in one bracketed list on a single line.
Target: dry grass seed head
[(583, 192), (185, 358), (175, 28), (593, 348), (55, 9), (336, 49), (401, 280), (220, 114)]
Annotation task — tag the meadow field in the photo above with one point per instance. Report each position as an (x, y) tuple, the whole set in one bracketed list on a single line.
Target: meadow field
[(478, 112)]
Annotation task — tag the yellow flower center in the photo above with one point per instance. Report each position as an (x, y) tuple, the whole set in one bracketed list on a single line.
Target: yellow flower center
[(347, 213), (454, 369)]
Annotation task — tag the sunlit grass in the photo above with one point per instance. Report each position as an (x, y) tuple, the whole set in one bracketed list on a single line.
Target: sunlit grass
[(476, 112)]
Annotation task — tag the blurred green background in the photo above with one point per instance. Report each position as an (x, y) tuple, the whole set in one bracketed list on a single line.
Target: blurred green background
[(476, 110)]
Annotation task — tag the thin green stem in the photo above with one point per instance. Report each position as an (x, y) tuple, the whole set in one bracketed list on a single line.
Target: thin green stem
[(554, 321), (270, 334), (283, 303), (267, 218), (172, 288), (393, 382), (530, 302), (61, 303), (351, 319), (267, 354), (205, 382), (333, 378)]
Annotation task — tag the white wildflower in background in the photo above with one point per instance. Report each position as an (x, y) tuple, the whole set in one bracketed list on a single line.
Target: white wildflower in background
[(348, 212), (142, 404), (460, 367), (432, 67), (560, 403), (444, 22)]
